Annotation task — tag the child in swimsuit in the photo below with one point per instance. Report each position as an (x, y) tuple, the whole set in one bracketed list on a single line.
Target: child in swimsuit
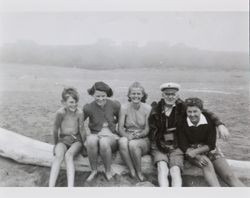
[(68, 134)]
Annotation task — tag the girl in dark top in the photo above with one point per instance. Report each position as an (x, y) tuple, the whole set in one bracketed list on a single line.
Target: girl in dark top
[(103, 117), (197, 139)]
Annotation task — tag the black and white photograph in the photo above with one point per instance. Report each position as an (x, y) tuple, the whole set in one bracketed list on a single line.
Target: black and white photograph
[(101, 95)]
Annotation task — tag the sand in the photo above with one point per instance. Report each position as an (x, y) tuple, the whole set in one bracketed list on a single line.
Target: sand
[(13, 174)]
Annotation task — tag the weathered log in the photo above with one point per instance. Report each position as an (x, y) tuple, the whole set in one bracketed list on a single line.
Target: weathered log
[(30, 151)]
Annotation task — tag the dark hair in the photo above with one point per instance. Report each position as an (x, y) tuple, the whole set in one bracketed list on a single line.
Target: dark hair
[(194, 102), (138, 85), (100, 86), (70, 91)]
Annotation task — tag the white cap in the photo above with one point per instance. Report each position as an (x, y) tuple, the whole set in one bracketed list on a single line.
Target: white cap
[(170, 85)]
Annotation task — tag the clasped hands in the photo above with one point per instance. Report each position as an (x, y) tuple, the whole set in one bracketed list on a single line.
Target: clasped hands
[(201, 159), (136, 134)]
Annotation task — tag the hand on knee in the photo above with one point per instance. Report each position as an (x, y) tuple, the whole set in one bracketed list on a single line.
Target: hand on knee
[(204, 161)]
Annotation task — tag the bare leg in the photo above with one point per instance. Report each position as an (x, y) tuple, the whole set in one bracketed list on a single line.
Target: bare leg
[(224, 171), (92, 150), (58, 159), (106, 145), (175, 173), (163, 170), (137, 149), (124, 151), (210, 175), (69, 159)]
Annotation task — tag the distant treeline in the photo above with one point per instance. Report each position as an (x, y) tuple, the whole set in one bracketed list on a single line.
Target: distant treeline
[(104, 54)]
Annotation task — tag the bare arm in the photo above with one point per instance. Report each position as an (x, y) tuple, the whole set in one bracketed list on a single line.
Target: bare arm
[(82, 127), (220, 127), (195, 152), (215, 119), (56, 127), (86, 123), (86, 120), (121, 122), (223, 132)]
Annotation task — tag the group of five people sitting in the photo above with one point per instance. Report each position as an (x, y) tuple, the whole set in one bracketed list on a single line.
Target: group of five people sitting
[(171, 130)]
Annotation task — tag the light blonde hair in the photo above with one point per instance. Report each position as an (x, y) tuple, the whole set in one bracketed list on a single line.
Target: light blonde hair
[(137, 85)]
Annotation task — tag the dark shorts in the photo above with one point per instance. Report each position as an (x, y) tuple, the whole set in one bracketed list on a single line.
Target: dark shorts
[(68, 140), (174, 158)]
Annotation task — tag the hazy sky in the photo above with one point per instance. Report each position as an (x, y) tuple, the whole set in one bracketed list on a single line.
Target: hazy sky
[(205, 30)]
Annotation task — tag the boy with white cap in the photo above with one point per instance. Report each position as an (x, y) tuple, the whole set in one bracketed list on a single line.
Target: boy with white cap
[(163, 119)]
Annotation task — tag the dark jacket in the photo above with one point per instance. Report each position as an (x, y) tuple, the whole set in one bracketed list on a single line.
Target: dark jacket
[(202, 134)]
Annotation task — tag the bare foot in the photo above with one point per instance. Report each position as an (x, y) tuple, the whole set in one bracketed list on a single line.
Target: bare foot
[(132, 174), (92, 175), (141, 177), (108, 175)]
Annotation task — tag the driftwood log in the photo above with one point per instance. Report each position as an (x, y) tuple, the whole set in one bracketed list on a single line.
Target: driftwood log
[(26, 150)]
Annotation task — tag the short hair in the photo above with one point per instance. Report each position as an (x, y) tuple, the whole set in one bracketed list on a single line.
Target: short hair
[(194, 102), (70, 91), (138, 85), (100, 86)]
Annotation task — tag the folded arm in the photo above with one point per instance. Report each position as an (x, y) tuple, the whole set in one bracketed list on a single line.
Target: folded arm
[(192, 153)]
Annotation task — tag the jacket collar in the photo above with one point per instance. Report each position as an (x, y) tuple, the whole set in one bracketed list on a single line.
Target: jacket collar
[(158, 108)]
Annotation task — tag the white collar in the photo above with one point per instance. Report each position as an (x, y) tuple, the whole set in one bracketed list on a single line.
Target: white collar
[(168, 110), (202, 120)]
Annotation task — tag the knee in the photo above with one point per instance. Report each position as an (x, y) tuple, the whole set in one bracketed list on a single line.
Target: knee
[(59, 157), (91, 142), (104, 145), (175, 173), (123, 143), (162, 168), (209, 165), (175, 170), (133, 146), (230, 177)]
